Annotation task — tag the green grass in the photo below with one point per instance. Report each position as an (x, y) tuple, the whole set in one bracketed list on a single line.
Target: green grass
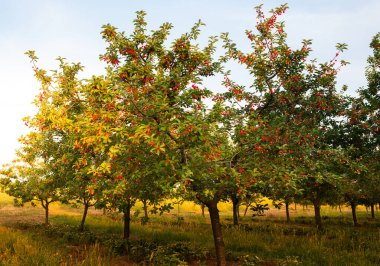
[(34, 246), (17, 248), (265, 240), (268, 240)]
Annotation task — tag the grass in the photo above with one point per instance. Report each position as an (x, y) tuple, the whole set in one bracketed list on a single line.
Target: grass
[(17, 248), (168, 240), (35, 246)]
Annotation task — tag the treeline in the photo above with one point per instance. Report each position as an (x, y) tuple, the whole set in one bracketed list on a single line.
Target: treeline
[(149, 129)]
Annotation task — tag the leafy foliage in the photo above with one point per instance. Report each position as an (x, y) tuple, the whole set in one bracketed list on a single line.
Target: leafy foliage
[(149, 129)]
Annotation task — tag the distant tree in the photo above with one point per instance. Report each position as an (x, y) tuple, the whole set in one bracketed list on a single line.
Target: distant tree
[(32, 183), (284, 113), (370, 120), (359, 136)]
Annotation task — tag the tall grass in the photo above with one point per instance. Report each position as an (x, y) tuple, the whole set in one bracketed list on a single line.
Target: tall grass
[(34, 248), (257, 241), (261, 239), (18, 248)]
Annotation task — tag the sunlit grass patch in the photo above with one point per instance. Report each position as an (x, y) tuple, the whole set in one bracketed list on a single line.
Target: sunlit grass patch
[(267, 239), (19, 249), (34, 245)]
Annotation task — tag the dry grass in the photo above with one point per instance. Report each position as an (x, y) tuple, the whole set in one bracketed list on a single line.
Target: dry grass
[(10, 214), (268, 238)]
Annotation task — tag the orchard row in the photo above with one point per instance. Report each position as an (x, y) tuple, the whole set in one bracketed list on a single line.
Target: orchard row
[(149, 129)]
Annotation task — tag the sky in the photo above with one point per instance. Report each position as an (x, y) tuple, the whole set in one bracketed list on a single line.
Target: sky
[(71, 29)]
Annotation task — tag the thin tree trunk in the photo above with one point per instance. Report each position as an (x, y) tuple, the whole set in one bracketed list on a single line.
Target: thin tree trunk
[(45, 205), (246, 209), (217, 232), (235, 207), (47, 214), (127, 221), (317, 215), (287, 211), (372, 211), (203, 209), (145, 207), (295, 206), (86, 206), (353, 210)]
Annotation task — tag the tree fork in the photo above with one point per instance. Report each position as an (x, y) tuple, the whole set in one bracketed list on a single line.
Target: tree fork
[(46, 208)]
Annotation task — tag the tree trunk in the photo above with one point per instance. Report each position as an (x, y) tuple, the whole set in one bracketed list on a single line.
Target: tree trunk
[(317, 215), (47, 214), (246, 209), (295, 206), (235, 207), (45, 205), (217, 232), (353, 209), (86, 206), (145, 207), (372, 211), (203, 209), (127, 220), (287, 211)]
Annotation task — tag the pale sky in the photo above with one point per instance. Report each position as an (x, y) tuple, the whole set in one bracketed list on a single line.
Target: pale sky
[(71, 29)]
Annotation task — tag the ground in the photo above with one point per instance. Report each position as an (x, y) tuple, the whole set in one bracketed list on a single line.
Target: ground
[(183, 237)]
